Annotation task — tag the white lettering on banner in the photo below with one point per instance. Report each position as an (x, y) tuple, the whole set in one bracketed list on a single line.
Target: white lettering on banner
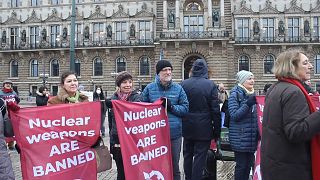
[(149, 155), (57, 135), (64, 147), (261, 107), (63, 164), (145, 127), (147, 141), (78, 121), (129, 116)]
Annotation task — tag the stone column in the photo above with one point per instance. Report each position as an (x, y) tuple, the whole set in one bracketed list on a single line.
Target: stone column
[(222, 23), (165, 15), (177, 25), (209, 14)]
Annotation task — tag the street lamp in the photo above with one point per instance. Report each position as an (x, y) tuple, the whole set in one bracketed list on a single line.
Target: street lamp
[(72, 34), (44, 78)]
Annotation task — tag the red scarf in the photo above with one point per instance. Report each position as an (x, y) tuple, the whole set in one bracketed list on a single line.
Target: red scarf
[(5, 90), (315, 141), (123, 96)]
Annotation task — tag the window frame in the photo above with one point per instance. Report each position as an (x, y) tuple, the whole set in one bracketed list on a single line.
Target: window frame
[(54, 68), (97, 66), (121, 64), (34, 68), (267, 62), (144, 67), (14, 68), (243, 59)]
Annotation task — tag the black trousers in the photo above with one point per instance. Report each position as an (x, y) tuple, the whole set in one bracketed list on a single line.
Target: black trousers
[(116, 152), (194, 154)]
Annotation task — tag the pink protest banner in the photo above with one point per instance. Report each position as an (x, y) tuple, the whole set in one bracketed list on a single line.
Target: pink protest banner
[(55, 141), (144, 136), (260, 106)]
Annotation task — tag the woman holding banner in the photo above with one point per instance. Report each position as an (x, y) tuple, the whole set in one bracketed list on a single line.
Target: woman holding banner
[(6, 171), (290, 146), (68, 92), (124, 92), (243, 128)]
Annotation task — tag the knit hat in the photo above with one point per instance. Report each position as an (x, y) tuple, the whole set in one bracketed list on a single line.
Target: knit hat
[(243, 75), (162, 64), (7, 81), (124, 75)]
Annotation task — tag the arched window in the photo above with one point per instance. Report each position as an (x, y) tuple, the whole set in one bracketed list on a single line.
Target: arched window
[(193, 19), (268, 63), (144, 65), (34, 68), (97, 67), (54, 67), (243, 63), (121, 64), (317, 64), (77, 67), (14, 68)]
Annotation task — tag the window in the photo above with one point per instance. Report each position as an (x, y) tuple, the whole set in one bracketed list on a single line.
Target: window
[(34, 71), (293, 29), (34, 90), (78, 34), (54, 34), (316, 23), (15, 3), (144, 65), (243, 63), (34, 36), (97, 33), (268, 29), (54, 2), (14, 38), (121, 64), (54, 90), (121, 32), (54, 67), (317, 64), (243, 32), (268, 62), (97, 67), (35, 3), (193, 6), (77, 67), (193, 23), (14, 68), (144, 30)]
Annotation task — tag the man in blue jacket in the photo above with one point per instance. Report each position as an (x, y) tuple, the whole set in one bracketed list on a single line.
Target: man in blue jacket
[(177, 106), (203, 122)]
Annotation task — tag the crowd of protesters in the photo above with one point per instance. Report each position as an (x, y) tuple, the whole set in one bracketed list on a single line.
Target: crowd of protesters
[(289, 147)]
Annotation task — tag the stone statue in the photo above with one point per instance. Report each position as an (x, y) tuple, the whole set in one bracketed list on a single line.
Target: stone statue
[(132, 31), (44, 34), (306, 27), (109, 31), (4, 36), (256, 28), (281, 28), (215, 16), (171, 17), (65, 33), (86, 32), (23, 35)]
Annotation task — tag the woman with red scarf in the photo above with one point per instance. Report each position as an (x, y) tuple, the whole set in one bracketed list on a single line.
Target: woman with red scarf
[(290, 147)]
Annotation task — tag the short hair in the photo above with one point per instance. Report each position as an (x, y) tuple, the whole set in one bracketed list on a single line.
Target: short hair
[(65, 75), (42, 88), (286, 64)]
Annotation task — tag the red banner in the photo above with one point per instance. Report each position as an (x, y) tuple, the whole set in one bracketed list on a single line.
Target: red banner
[(143, 130), (55, 141), (260, 106)]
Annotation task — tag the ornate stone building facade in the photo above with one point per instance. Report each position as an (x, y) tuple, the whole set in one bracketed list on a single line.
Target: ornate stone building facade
[(112, 36)]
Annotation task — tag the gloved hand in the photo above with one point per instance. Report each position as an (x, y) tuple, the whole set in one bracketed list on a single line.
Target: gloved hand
[(169, 105), (13, 106), (251, 100), (108, 103)]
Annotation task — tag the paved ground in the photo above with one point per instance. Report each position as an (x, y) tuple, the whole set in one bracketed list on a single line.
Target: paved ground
[(224, 170)]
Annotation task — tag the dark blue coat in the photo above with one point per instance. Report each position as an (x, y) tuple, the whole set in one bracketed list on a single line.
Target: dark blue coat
[(243, 130), (204, 111)]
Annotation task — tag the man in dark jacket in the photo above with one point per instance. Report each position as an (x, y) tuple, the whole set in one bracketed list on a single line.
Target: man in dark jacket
[(203, 122), (42, 96)]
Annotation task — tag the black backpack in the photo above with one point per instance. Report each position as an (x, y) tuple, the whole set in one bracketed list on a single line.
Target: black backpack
[(225, 109)]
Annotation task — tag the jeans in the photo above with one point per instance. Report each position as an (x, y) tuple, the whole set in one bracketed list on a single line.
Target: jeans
[(194, 154), (244, 162), (175, 150)]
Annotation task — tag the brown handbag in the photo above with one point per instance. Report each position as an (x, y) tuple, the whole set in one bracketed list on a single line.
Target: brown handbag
[(104, 159)]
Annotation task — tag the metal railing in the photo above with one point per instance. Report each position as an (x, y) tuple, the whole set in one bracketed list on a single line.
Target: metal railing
[(195, 35), (280, 39)]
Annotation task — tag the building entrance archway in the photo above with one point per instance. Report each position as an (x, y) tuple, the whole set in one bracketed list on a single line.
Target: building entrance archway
[(189, 60)]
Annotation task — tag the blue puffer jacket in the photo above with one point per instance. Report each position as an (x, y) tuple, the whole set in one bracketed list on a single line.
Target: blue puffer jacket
[(243, 130), (178, 98)]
